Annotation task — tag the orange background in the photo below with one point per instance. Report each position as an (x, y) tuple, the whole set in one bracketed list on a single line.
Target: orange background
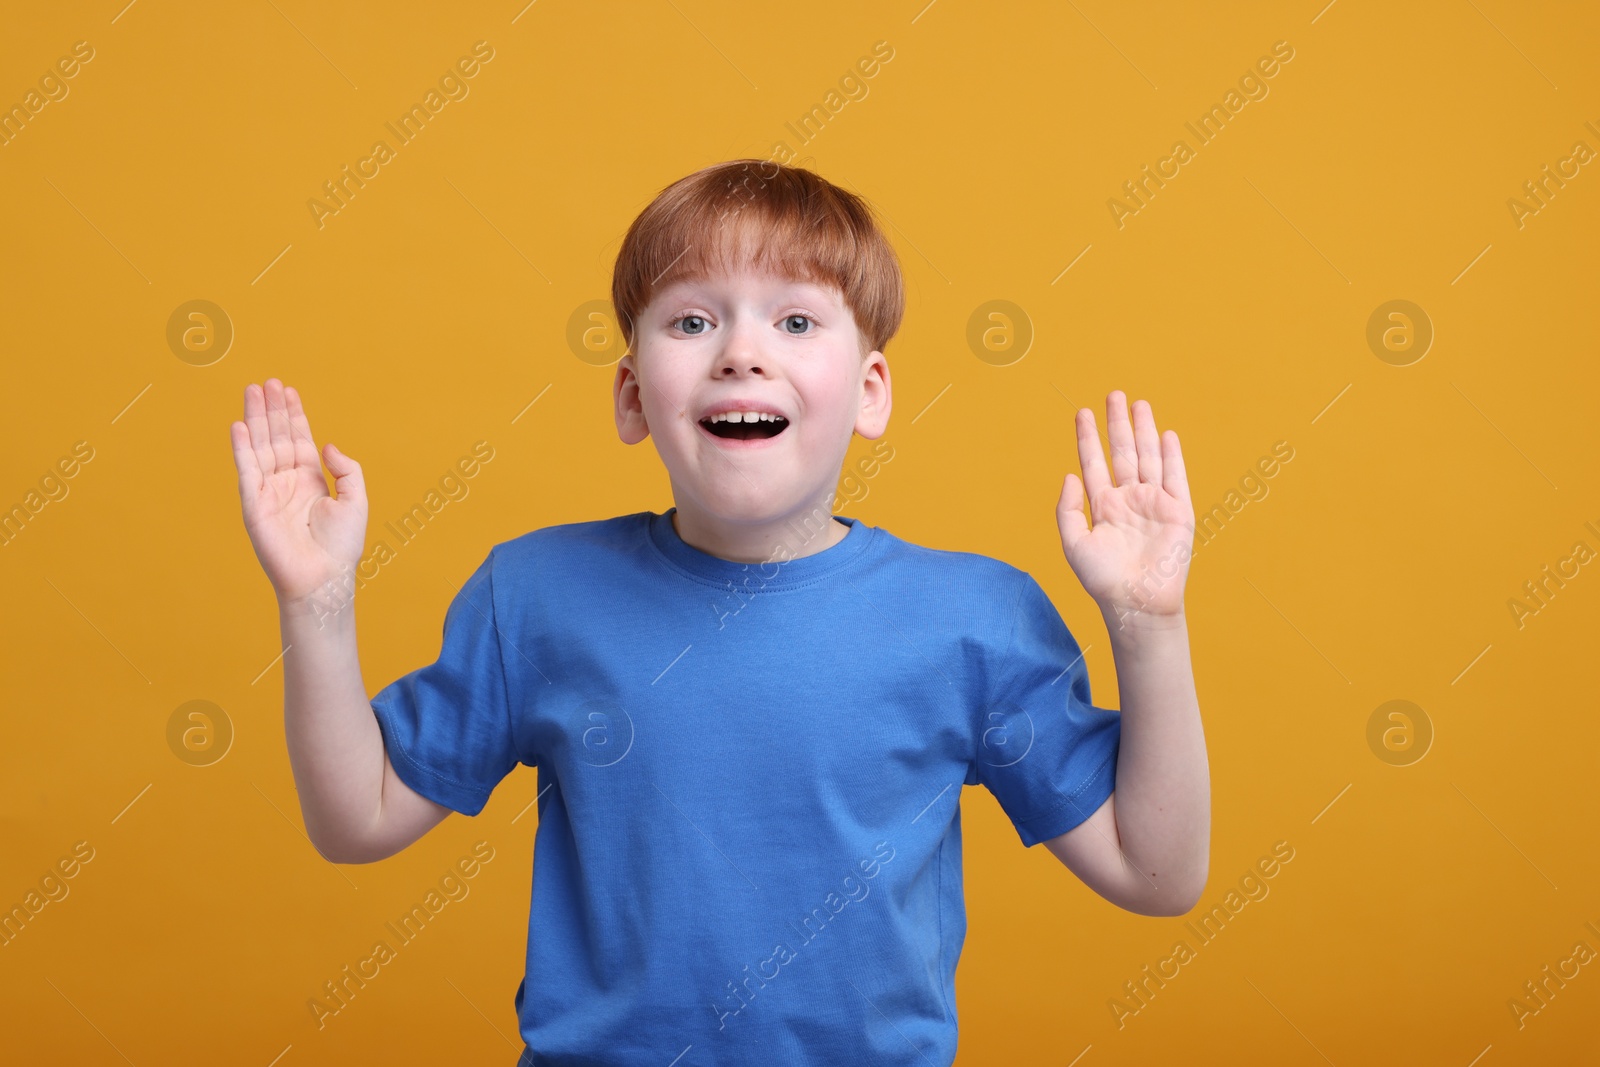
[(434, 307)]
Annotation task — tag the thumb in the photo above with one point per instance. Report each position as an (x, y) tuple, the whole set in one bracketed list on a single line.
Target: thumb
[(346, 474), (1074, 524)]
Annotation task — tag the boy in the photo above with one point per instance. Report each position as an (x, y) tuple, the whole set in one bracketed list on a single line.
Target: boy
[(751, 718)]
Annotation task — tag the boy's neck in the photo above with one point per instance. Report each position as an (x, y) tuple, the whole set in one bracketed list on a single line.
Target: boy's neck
[(791, 537)]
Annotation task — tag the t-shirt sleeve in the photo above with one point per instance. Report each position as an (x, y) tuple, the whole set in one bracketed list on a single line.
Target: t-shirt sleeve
[(1044, 750), (447, 726)]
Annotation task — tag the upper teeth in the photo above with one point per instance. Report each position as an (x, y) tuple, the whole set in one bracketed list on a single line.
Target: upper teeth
[(745, 416)]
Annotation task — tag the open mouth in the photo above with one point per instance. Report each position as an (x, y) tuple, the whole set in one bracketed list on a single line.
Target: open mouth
[(737, 427)]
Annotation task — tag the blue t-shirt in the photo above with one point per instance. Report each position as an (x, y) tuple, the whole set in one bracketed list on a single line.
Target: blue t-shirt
[(749, 775)]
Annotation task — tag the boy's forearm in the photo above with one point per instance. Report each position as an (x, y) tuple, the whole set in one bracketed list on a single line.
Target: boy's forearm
[(335, 747), (1163, 786)]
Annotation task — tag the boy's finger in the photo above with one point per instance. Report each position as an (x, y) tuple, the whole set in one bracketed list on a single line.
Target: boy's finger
[(1093, 461), (1069, 512), (347, 478), (1148, 442), (1124, 460), (1173, 477), (278, 424), (244, 458), (255, 418), (305, 447)]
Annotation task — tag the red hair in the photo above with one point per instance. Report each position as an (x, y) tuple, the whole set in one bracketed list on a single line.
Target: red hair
[(753, 214)]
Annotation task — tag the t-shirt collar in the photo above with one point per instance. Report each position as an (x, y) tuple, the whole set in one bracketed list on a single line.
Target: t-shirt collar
[(775, 574)]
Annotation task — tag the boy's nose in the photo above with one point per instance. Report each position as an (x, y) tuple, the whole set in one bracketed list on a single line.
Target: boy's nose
[(740, 352)]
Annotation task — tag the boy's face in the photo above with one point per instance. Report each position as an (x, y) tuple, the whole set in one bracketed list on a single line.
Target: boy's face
[(759, 342)]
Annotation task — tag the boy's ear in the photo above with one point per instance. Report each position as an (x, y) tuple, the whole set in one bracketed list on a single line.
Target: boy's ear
[(876, 397), (631, 426)]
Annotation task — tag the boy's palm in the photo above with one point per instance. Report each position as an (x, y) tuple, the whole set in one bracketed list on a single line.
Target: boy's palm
[(1136, 556), (303, 536)]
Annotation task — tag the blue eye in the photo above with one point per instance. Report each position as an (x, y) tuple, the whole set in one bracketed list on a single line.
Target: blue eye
[(686, 318), (804, 319)]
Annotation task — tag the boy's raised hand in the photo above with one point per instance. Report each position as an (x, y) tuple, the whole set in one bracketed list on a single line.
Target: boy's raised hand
[(1136, 557), (303, 536)]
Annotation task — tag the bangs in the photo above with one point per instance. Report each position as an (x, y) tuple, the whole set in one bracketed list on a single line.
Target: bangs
[(754, 216)]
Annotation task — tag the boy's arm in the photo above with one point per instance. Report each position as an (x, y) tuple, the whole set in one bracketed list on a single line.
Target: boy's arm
[(356, 809), (1147, 848), (309, 542)]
